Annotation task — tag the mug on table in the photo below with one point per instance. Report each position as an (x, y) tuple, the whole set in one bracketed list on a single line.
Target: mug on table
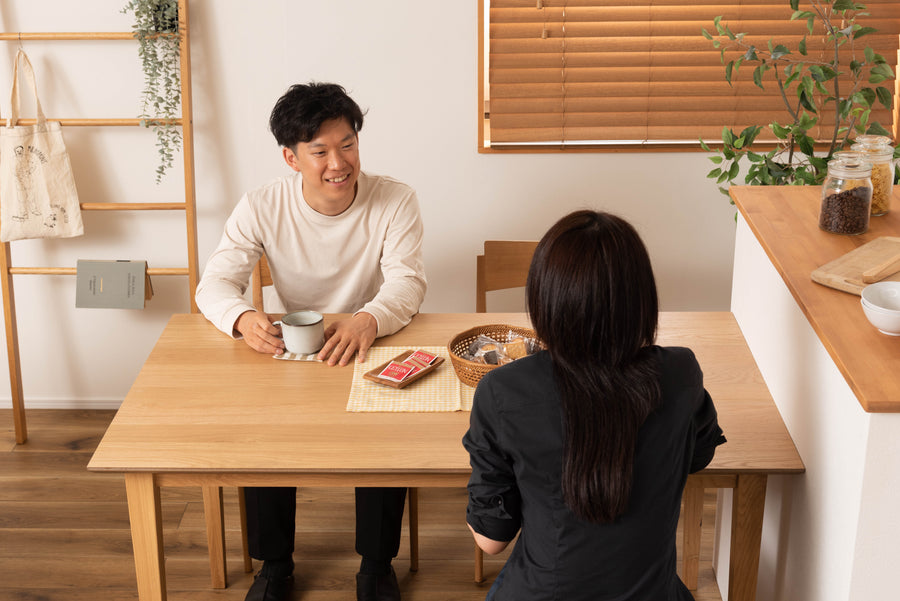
[(303, 332)]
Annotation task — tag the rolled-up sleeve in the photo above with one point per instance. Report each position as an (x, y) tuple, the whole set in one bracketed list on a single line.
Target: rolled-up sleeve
[(707, 433), (495, 504)]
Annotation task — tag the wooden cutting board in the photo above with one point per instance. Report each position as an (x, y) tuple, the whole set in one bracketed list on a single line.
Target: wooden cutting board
[(845, 272)]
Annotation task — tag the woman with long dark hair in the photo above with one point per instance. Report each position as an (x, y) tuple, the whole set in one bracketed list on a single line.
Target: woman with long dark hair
[(584, 449)]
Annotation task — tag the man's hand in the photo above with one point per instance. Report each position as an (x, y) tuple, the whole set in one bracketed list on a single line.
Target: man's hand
[(259, 332), (343, 338)]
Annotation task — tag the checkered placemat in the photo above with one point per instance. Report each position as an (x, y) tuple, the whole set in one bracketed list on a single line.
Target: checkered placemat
[(440, 390)]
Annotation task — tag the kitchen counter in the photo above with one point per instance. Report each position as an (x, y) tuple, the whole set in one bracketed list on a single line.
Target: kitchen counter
[(831, 533), (784, 220)]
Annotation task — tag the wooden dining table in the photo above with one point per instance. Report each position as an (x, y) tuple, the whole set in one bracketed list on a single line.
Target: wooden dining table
[(207, 411)]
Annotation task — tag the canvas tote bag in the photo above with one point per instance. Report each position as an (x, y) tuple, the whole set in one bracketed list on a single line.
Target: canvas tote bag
[(37, 189)]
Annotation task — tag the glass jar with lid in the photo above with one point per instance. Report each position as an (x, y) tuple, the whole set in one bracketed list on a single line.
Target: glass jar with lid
[(847, 194), (878, 151)]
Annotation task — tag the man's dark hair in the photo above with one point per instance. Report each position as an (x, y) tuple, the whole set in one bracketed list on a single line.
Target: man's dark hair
[(302, 110)]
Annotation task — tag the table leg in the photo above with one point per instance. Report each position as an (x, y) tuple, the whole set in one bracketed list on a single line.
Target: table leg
[(215, 534), (245, 544), (146, 535), (746, 536), (691, 523), (479, 565), (413, 529)]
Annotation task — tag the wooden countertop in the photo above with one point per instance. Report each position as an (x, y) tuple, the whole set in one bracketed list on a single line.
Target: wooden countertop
[(785, 221)]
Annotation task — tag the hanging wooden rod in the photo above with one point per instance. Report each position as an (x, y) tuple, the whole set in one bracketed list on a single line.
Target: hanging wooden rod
[(73, 270), (97, 122), (133, 206), (72, 35)]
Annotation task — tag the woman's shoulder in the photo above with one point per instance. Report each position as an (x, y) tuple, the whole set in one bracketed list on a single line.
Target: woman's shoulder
[(678, 363), (521, 376)]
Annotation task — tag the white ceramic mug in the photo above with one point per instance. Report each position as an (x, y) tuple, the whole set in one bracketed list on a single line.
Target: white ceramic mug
[(303, 332)]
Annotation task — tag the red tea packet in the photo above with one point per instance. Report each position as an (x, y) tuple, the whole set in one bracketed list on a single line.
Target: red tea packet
[(396, 371), (421, 356)]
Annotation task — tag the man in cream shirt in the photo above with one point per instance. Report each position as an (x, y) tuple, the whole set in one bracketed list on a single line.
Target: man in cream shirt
[(338, 240)]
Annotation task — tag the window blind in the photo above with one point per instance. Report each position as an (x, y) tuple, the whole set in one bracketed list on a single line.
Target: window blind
[(593, 72)]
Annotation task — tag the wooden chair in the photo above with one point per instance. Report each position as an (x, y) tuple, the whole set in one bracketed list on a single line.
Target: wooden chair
[(503, 265), (259, 279)]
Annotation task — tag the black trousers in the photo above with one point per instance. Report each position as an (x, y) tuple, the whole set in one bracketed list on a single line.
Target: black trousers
[(272, 511)]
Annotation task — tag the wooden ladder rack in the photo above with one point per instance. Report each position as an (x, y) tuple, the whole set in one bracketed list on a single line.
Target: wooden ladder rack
[(188, 206)]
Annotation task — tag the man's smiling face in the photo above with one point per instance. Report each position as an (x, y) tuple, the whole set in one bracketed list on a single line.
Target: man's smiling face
[(329, 164)]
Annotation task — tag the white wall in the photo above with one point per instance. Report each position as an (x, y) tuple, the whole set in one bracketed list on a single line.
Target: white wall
[(413, 65)]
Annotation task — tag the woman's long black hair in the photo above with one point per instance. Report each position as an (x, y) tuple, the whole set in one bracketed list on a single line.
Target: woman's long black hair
[(592, 300)]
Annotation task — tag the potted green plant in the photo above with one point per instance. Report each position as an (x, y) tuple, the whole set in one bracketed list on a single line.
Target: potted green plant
[(843, 78), (156, 29)]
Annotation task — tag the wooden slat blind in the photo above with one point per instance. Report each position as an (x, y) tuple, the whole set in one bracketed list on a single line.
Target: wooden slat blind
[(576, 72)]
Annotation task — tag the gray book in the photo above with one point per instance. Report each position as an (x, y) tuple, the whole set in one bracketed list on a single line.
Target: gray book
[(112, 284)]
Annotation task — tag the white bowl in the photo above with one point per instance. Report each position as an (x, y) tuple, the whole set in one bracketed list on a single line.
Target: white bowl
[(887, 321), (883, 295)]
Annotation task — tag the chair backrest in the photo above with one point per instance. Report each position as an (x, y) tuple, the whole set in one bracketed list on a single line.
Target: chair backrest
[(504, 264), (261, 277)]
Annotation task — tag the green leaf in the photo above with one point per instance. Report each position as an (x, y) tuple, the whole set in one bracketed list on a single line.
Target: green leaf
[(876, 129), (883, 70), (706, 34), (729, 68), (779, 51), (884, 96), (757, 76), (806, 145), (704, 146), (865, 96), (870, 55), (819, 163), (843, 5), (714, 173), (716, 159), (863, 31), (733, 172), (817, 73), (806, 100), (739, 143), (802, 47), (750, 133), (806, 122), (844, 108), (727, 136), (795, 4), (780, 132)]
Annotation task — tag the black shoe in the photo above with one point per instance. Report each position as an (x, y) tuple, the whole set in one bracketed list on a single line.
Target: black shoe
[(270, 588), (377, 587)]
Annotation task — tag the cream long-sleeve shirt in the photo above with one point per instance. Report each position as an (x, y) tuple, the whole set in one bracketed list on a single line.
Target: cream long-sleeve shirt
[(368, 258)]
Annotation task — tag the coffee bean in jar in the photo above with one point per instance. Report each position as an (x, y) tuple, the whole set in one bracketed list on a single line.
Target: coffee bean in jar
[(846, 194)]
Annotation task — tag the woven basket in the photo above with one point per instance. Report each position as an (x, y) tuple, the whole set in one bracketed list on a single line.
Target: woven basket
[(471, 372)]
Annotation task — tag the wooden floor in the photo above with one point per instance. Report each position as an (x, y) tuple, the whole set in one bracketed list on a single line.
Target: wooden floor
[(64, 531)]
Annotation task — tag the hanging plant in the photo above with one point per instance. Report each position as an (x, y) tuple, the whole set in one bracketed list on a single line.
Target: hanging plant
[(156, 29)]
